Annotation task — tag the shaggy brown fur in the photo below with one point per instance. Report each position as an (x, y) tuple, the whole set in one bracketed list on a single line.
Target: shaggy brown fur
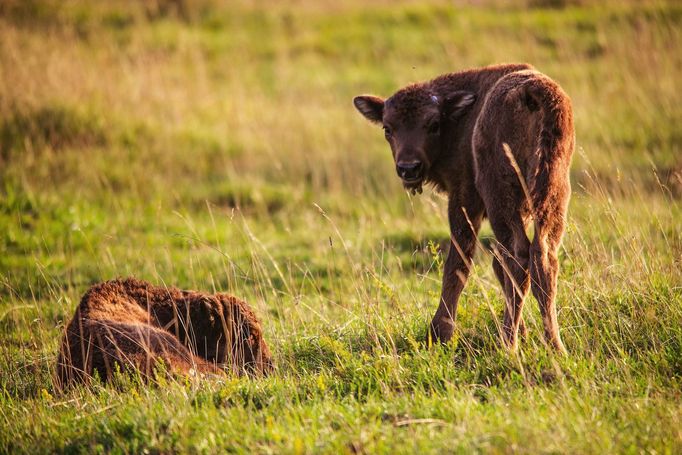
[(131, 325), (498, 140)]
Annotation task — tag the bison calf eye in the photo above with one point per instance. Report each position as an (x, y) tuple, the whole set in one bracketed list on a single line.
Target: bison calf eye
[(387, 132), (434, 127)]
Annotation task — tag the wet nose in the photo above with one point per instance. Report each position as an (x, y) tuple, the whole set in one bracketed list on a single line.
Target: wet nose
[(409, 171)]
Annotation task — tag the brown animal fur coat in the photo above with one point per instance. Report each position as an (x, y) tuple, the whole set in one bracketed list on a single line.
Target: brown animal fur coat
[(131, 325)]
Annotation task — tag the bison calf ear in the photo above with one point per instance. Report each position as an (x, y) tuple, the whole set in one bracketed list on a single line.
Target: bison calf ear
[(372, 107), (457, 103)]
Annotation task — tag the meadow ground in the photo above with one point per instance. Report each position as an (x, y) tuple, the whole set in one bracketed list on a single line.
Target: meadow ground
[(216, 147)]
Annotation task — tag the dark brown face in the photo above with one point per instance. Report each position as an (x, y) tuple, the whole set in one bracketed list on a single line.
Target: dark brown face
[(413, 121), (414, 140)]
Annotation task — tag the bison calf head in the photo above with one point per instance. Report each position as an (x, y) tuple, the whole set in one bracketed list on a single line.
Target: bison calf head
[(415, 123)]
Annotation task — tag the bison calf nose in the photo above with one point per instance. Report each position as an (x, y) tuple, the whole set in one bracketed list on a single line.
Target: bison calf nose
[(409, 171)]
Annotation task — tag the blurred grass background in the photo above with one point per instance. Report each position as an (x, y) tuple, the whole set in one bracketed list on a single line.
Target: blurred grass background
[(213, 145)]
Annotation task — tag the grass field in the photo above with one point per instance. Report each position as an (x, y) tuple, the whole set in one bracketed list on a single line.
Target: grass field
[(216, 147)]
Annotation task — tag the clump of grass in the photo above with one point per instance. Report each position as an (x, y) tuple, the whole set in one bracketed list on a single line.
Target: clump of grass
[(54, 127)]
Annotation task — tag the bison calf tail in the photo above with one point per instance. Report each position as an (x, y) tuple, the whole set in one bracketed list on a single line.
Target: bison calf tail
[(548, 169)]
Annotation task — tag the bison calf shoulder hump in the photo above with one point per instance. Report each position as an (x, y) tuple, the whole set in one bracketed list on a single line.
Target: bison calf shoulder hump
[(498, 140), (131, 325)]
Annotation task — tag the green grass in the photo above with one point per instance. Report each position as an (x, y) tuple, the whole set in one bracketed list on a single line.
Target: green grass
[(217, 148)]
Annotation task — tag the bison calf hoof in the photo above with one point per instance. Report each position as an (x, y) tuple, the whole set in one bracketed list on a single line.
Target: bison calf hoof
[(441, 330), (509, 342), (559, 347)]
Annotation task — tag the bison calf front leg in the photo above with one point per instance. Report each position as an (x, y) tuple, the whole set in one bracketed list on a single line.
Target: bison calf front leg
[(464, 227)]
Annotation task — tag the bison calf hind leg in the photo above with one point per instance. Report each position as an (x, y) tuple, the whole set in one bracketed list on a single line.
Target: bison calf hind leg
[(510, 263), (500, 274), (544, 269)]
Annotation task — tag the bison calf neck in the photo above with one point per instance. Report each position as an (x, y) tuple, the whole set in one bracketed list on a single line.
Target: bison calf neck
[(132, 325), (498, 140)]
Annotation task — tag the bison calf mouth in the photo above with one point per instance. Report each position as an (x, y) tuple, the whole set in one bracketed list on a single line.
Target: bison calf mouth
[(414, 186), (412, 175)]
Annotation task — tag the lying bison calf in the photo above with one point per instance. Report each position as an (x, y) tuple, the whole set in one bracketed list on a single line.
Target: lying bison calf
[(498, 140), (131, 325)]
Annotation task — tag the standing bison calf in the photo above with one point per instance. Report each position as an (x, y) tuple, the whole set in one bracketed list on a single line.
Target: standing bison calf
[(498, 140), (131, 325)]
